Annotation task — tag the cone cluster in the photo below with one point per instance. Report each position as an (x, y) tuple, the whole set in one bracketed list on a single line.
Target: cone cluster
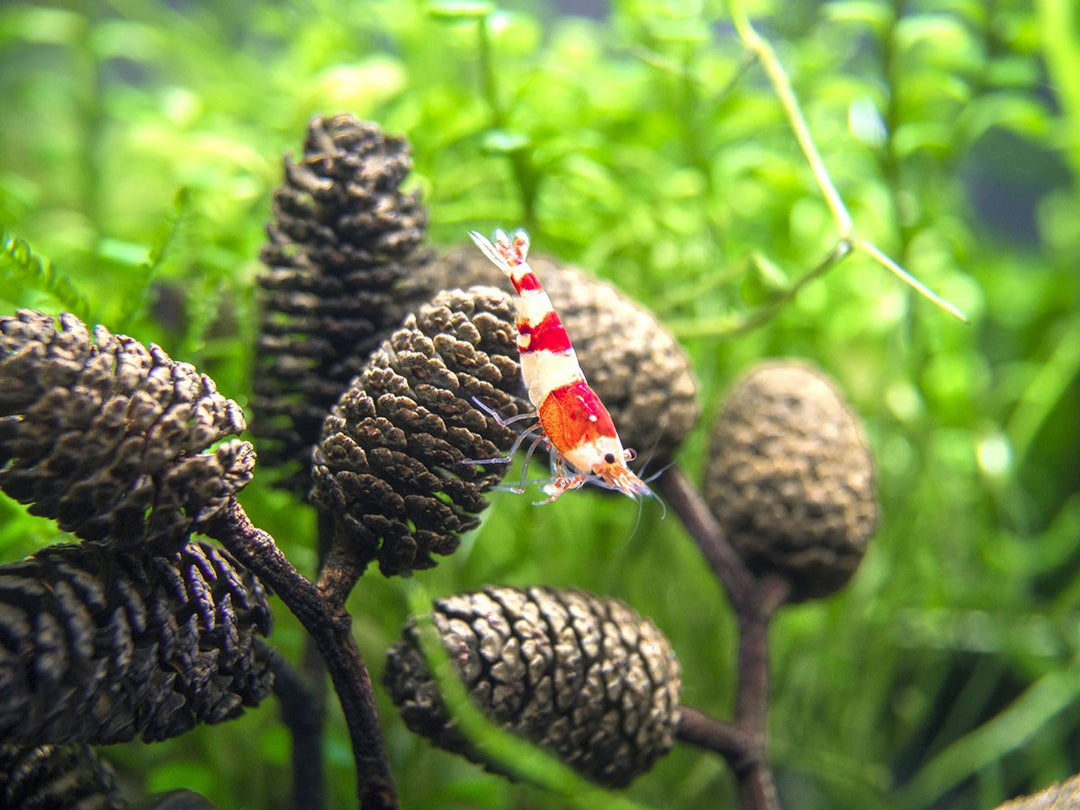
[(56, 776), (790, 479), (390, 466), (584, 677), (342, 238), (99, 647), (111, 439)]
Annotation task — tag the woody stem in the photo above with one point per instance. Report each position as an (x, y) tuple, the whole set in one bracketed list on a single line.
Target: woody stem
[(302, 711), (332, 632), (685, 500), (732, 743), (754, 601)]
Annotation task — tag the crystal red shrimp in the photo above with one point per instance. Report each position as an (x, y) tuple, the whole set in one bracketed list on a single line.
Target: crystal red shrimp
[(573, 419)]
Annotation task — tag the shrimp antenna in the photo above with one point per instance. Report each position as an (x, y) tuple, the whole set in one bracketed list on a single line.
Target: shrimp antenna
[(648, 457)]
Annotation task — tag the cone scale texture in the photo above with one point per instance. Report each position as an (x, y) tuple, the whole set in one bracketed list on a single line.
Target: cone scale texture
[(584, 677), (390, 466), (111, 439), (342, 239), (790, 479), (49, 777), (99, 647)]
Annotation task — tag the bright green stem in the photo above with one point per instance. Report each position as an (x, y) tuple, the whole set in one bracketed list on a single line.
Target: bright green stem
[(487, 75), (876, 254), (770, 63), (1045, 391), (1008, 731), (1059, 27)]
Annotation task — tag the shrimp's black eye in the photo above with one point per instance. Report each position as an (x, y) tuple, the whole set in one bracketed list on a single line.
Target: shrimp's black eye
[(609, 458)]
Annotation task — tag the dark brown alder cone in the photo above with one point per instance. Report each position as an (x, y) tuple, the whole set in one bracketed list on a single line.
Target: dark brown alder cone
[(342, 238), (790, 479), (582, 676), (1059, 796), (389, 464), (56, 776), (110, 438), (640, 372), (98, 646)]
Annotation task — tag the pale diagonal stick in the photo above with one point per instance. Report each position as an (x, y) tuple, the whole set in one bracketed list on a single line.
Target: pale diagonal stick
[(770, 63)]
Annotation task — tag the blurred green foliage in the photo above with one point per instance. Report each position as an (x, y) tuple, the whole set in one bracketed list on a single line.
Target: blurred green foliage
[(140, 142)]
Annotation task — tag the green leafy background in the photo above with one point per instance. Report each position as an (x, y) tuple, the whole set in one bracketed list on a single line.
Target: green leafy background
[(140, 142)]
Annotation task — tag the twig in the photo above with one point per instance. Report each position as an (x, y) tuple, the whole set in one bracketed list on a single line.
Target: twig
[(339, 573), (877, 255), (731, 742), (770, 63), (754, 601), (684, 499), (315, 674), (332, 632), (302, 711), (753, 703), (756, 787), (839, 252), (728, 327)]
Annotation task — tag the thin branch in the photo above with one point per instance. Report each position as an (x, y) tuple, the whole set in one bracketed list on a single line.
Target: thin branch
[(302, 711), (685, 500), (755, 601), (665, 64), (877, 255), (770, 63), (332, 632), (314, 670), (756, 786), (726, 331), (731, 742), (757, 790), (838, 253), (339, 573), (752, 707)]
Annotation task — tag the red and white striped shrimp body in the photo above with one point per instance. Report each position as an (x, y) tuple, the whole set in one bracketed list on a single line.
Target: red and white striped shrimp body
[(573, 418)]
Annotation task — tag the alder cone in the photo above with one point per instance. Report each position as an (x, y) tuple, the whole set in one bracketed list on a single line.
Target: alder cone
[(638, 369), (49, 777), (791, 480), (581, 676), (1058, 796), (343, 238), (111, 439), (390, 465), (99, 647)]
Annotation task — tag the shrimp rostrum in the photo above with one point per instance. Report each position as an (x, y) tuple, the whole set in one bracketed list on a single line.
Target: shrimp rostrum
[(573, 422)]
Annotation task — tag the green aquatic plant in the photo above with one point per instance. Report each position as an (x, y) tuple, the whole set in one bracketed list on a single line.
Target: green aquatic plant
[(740, 174)]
